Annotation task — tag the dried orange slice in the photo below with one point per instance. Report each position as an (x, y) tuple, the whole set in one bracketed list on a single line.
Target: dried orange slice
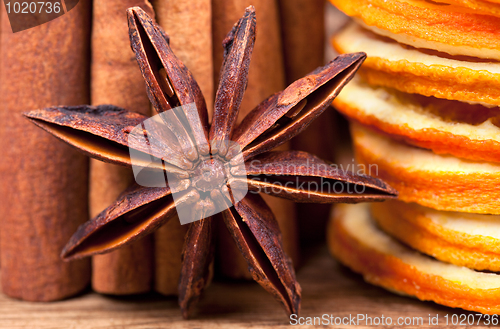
[(356, 242), (484, 7), (427, 73), (441, 182), (426, 24), (446, 127), (462, 239)]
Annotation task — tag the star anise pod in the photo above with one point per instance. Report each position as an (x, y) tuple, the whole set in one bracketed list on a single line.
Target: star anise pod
[(209, 169)]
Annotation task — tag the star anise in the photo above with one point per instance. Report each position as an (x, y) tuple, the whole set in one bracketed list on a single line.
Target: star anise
[(190, 150)]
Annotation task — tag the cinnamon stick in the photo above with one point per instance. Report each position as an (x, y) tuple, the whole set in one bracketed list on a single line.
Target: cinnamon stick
[(117, 80), (303, 31), (43, 182), (189, 26), (302, 26), (0, 142), (169, 240), (266, 76)]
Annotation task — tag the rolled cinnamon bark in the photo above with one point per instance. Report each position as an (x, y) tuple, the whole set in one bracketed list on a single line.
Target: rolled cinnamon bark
[(117, 80), (303, 31), (0, 142), (265, 77), (169, 240), (266, 73), (43, 182), (189, 26)]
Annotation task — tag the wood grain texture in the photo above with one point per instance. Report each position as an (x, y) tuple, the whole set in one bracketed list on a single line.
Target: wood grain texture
[(117, 80), (265, 77), (43, 182), (328, 288)]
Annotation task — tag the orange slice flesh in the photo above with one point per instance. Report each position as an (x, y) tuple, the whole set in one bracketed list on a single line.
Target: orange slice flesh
[(356, 242), (425, 24), (480, 53), (462, 239), (446, 127), (441, 182), (391, 64)]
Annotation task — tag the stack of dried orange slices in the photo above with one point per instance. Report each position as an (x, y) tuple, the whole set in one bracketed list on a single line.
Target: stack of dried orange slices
[(425, 114)]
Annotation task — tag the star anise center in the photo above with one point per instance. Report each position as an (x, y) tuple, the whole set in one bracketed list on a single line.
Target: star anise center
[(210, 174)]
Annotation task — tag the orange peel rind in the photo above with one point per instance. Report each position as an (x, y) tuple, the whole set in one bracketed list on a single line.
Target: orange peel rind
[(484, 7), (425, 24), (356, 242), (441, 182), (411, 70), (446, 127), (469, 240)]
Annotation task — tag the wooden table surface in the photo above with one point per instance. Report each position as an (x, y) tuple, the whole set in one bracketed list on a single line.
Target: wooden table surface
[(327, 288)]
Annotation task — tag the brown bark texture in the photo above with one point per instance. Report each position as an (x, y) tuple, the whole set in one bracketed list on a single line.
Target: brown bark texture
[(303, 31), (168, 243), (117, 80), (189, 26), (266, 76), (1, 14), (43, 182), (188, 23)]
